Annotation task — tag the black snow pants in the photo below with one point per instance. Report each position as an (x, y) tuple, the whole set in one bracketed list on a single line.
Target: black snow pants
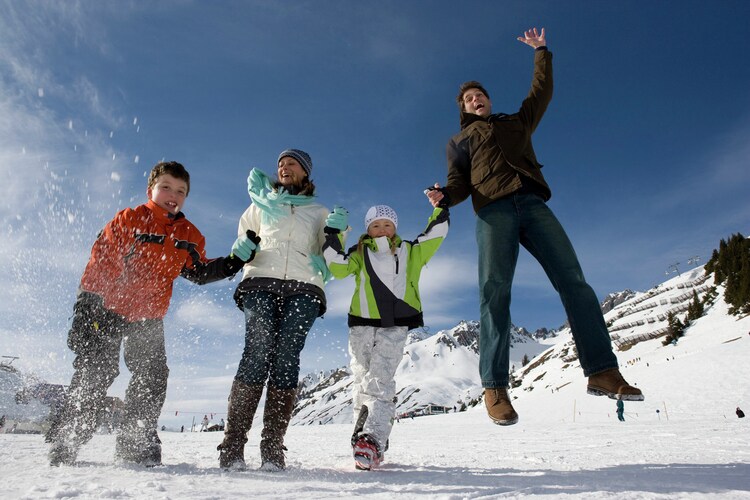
[(96, 367)]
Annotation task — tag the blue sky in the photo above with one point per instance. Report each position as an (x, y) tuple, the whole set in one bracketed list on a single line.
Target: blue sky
[(645, 143)]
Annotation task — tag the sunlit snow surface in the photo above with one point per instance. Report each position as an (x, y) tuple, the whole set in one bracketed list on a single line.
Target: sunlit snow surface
[(683, 441), (452, 456)]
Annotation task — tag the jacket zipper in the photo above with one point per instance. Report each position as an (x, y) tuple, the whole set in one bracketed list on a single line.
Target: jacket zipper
[(288, 246)]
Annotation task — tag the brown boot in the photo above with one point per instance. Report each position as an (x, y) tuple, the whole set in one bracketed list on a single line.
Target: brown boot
[(611, 384), (498, 406), (276, 416), (243, 401)]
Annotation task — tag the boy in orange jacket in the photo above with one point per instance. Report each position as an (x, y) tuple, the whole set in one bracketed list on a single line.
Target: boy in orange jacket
[(123, 297)]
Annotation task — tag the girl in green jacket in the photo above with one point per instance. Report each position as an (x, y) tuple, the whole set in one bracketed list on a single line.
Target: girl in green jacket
[(384, 307)]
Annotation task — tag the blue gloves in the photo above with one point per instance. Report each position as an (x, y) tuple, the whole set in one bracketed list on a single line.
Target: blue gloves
[(337, 221), (246, 246)]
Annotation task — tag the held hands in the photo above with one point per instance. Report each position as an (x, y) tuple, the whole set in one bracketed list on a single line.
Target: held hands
[(246, 246), (533, 39), (337, 221), (437, 196)]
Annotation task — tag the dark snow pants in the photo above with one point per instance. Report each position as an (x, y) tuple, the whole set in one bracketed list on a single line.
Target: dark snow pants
[(96, 367), (275, 332)]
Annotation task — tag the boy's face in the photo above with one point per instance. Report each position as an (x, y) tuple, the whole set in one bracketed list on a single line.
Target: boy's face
[(477, 103), (168, 193), (381, 227), (290, 172)]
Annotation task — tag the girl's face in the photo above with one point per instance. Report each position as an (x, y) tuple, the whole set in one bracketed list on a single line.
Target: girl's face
[(168, 193), (381, 227), (290, 172)]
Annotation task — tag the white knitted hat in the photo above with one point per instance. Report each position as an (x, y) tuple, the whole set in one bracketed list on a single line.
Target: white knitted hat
[(381, 212)]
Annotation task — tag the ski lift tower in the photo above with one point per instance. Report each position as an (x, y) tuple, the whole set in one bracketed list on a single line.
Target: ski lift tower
[(673, 269)]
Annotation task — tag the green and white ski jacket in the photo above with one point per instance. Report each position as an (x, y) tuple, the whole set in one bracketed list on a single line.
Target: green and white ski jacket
[(386, 283)]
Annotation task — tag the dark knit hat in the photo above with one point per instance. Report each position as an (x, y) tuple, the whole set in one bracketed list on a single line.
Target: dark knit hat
[(302, 158)]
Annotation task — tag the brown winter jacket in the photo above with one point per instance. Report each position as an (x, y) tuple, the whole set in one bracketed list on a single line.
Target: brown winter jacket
[(488, 157)]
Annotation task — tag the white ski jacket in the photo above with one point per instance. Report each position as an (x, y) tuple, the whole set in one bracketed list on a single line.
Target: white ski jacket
[(286, 244)]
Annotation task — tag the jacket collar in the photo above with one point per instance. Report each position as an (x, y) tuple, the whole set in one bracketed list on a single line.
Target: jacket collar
[(161, 215), (381, 244), (469, 118)]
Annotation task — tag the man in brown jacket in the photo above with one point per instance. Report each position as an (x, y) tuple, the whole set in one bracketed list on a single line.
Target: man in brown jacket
[(493, 161)]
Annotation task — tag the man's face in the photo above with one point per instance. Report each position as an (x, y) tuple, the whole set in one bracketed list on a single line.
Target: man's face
[(476, 102)]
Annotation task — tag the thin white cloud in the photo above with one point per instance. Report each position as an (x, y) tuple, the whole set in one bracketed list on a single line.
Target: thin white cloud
[(204, 313)]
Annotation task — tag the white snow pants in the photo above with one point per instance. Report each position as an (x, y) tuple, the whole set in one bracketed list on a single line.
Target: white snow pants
[(375, 355)]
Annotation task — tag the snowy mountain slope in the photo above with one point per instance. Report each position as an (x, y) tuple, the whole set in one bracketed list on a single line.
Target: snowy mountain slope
[(435, 370), (699, 371), (442, 369)]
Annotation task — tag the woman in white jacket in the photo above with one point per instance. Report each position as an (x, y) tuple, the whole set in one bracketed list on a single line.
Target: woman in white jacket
[(281, 294)]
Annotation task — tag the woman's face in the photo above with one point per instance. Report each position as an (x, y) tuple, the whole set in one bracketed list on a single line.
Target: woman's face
[(290, 172)]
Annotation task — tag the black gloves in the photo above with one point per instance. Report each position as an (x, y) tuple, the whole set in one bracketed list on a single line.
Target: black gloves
[(89, 322)]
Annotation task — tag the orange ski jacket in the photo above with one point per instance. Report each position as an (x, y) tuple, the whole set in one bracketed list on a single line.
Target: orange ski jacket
[(139, 254)]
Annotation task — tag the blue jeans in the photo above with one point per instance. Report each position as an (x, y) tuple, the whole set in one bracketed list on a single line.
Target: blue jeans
[(275, 332), (525, 218)]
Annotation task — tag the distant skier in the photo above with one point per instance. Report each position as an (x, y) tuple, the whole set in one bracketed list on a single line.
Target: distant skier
[(620, 410), (385, 305), (740, 413), (492, 160), (204, 423), (123, 297)]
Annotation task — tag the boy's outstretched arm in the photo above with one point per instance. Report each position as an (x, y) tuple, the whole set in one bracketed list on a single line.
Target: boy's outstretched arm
[(243, 251)]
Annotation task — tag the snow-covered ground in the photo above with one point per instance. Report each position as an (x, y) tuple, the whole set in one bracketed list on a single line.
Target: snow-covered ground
[(463, 455), (683, 441)]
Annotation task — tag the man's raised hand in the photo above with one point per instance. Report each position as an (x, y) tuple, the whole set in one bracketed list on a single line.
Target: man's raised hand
[(533, 38)]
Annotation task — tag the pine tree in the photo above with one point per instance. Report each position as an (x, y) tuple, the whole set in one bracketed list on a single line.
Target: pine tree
[(695, 308), (731, 266), (675, 328)]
